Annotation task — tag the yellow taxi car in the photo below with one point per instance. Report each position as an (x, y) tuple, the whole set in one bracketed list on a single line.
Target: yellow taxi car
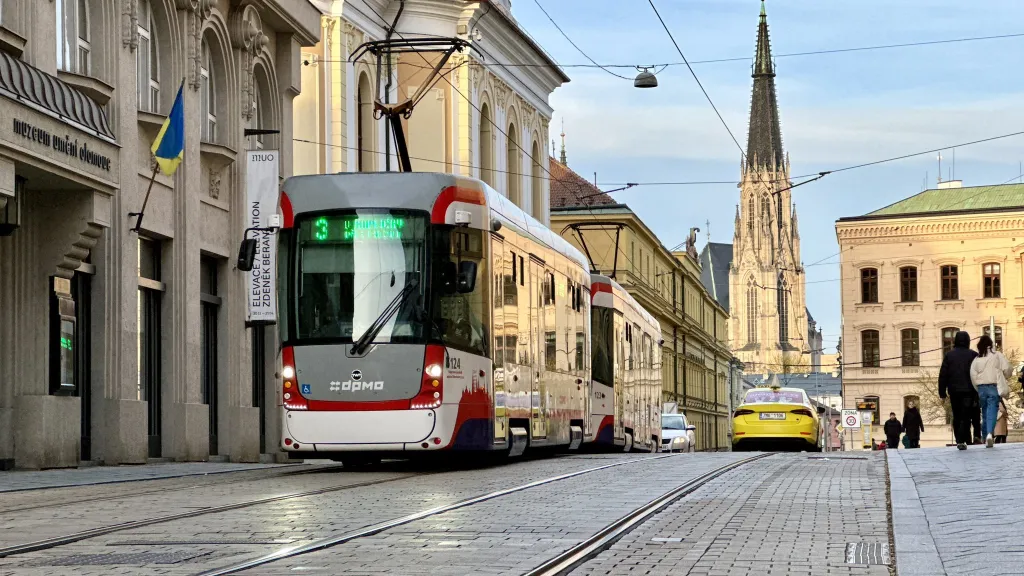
[(776, 419)]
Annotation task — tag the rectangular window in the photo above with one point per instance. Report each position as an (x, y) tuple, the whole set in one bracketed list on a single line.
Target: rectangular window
[(991, 275), (908, 284), (948, 334), (210, 305), (950, 283), (580, 344), (869, 285), (910, 346), (870, 356), (550, 349)]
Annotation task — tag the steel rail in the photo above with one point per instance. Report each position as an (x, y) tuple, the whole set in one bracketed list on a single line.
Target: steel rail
[(197, 481), (583, 552), (104, 530), (329, 542)]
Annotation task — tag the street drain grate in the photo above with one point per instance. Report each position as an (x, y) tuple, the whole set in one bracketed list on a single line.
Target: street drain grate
[(198, 542), (133, 559), (867, 553)]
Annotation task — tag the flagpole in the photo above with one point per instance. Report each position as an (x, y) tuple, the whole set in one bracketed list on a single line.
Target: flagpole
[(142, 212)]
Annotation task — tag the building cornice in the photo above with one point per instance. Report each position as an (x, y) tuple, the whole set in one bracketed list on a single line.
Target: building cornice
[(989, 223)]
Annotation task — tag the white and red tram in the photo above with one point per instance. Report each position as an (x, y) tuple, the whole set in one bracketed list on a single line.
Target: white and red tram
[(425, 312), (626, 369)]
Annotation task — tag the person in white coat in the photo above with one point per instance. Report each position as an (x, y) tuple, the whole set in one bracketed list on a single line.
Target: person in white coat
[(989, 372)]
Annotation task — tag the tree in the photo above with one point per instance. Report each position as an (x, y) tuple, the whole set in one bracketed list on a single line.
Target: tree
[(787, 363)]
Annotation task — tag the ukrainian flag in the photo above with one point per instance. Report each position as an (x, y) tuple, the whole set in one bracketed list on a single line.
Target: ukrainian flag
[(169, 146)]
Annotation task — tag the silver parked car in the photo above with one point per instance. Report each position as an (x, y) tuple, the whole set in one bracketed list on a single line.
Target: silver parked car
[(676, 434)]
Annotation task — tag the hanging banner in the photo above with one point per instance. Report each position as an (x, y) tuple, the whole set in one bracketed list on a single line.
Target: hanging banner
[(262, 196)]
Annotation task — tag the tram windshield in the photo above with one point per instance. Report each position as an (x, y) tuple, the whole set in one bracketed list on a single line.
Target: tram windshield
[(351, 265)]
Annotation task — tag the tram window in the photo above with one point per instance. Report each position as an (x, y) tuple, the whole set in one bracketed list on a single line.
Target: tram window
[(498, 299), (580, 341), (601, 327), (462, 318), (549, 350)]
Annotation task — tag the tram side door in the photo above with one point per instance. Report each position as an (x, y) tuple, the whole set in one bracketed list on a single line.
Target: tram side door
[(539, 392), (619, 390)]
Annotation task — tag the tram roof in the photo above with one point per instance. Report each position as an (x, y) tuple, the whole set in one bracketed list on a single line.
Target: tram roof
[(626, 297), (415, 191)]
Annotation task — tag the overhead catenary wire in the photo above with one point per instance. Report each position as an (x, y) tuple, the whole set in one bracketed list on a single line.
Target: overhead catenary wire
[(574, 45)]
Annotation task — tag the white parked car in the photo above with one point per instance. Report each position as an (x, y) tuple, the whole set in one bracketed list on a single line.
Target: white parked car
[(676, 434)]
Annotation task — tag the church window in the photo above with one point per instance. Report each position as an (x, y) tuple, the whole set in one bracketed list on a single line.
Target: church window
[(750, 215), (766, 211), (783, 300), (751, 311)]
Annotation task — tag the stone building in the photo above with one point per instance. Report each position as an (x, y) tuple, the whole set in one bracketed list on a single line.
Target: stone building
[(117, 346), (696, 367), (481, 119), (760, 278), (913, 274)]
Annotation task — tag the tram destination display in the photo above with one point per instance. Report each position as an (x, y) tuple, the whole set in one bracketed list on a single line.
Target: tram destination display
[(352, 228)]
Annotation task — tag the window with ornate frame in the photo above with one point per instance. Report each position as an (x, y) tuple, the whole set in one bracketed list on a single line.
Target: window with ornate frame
[(147, 62), (948, 335), (997, 339), (74, 36), (869, 285), (990, 273), (910, 346), (908, 284), (950, 277), (870, 351), (207, 96)]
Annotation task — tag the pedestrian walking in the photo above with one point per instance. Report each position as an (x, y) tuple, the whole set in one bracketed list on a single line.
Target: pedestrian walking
[(913, 425), (989, 372), (892, 431), (1001, 428), (955, 381)]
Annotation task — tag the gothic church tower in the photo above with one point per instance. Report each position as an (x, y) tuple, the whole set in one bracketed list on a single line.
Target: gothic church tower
[(768, 318)]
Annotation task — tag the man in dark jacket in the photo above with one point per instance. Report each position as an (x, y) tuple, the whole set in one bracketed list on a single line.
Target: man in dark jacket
[(892, 431), (955, 379), (913, 425)]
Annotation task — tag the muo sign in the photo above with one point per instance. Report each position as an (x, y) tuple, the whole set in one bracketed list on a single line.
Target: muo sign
[(261, 187)]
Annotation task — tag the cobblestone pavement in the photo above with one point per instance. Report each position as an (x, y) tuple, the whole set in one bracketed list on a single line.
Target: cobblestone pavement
[(958, 512), (788, 514), (66, 477), (187, 546)]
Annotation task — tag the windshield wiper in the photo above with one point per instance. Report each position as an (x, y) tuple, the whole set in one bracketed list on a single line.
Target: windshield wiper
[(359, 346)]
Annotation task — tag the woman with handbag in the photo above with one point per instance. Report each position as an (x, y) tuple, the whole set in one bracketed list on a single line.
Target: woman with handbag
[(989, 372)]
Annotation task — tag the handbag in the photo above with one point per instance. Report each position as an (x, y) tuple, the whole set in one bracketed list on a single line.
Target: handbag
[(1001, 385), (906, 441)]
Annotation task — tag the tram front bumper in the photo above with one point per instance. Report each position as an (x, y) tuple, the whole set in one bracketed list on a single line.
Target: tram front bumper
[(361, 431)]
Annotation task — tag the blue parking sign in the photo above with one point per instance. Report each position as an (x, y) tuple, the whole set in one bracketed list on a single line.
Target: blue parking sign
[(305, 388)]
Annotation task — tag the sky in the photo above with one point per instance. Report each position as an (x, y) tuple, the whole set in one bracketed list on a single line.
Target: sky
[(836, 110)]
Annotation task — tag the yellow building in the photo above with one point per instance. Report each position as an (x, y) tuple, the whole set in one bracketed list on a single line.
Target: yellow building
[(695, 357), (915, 272), (478, 118)]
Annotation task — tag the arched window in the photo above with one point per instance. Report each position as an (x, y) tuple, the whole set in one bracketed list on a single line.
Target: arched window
[(948, 334), (486, 145), (869, 347), (74, 37), (207, 95), (148, 81), (536, 183), (257, 117), (364, 125), (750, 214), (751, 311), (766, 211), (783, 303), (513, 166), (910, 345)]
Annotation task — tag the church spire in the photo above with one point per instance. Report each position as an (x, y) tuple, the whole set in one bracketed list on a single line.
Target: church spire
[(764, 141), (563, 159)]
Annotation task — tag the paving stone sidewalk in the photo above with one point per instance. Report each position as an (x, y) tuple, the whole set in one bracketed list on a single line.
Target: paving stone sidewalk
[(788, 514), (958, 512)]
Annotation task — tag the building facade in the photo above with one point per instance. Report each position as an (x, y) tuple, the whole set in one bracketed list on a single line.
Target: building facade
[(696, 367), (116, 345), (480, 118), (760, 278), (913, 274)]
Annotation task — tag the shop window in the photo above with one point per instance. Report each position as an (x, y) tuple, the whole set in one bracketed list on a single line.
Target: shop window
[(991, 276), (870, 356), (908, 284), (147, 62), (950, 282), (910, 346), (869, 285)]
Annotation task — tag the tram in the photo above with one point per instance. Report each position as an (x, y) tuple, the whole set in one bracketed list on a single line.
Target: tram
[(626, 369), (424, 312)]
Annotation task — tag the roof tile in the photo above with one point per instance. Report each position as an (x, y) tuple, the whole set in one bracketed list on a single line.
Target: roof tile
[(570, 189)]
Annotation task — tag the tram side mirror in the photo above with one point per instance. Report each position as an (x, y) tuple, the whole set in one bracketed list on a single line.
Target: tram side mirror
[(247, 254), (467, 276), (821, 410)]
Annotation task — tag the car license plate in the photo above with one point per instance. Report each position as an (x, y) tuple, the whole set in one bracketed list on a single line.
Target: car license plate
[(773, 416)]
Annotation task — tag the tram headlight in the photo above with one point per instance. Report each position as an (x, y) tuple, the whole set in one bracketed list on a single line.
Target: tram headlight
[(288, 373), (434, 370)]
